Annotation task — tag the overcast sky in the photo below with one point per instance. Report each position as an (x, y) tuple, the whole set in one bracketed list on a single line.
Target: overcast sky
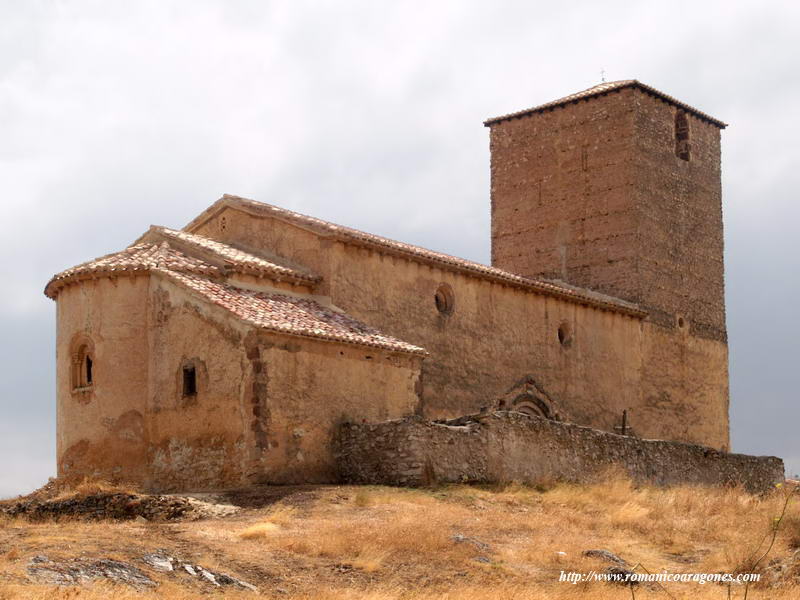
[(116, 115)]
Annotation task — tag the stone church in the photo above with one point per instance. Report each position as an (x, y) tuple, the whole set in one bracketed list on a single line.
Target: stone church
[(229, 352)]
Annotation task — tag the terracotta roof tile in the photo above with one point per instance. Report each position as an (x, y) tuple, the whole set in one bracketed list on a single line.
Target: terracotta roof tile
[(134, 260), (233, 258), (603, 88), (274, 312), (347, 234), (291, 315)]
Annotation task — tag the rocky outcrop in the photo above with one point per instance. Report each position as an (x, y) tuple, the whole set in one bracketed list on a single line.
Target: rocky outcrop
[(115, 506), (82, 571)]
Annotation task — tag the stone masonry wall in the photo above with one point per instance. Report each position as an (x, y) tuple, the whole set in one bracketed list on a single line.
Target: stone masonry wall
[(506, 446), (593, 193), (562, 202)]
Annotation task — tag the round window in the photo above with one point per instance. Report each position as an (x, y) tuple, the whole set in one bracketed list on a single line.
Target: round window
[(444, 299)]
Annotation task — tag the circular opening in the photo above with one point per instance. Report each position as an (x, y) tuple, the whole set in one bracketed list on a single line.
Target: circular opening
[(681, 322), (564, 334), (444, 299)]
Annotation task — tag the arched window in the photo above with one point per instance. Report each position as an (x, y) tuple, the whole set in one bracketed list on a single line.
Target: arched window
[(83, 369)]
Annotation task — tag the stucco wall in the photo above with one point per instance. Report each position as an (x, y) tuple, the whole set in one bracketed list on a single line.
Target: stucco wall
[(503, 447), (103, 432), (684, 387), (312, 387), (495, 336), (674, 386), (266, 405), (197, 441)]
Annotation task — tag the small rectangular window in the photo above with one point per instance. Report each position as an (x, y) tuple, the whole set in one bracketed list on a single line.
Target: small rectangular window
[(88, 370), (189, 381)]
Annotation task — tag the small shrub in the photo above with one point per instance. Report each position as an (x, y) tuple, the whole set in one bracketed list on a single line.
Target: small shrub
[(259, 530)]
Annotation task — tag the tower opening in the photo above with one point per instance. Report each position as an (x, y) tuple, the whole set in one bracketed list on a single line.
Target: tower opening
[(682, 144)]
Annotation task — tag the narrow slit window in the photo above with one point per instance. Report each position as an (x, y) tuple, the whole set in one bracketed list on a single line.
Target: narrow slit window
[(89, 365), (189, 381)]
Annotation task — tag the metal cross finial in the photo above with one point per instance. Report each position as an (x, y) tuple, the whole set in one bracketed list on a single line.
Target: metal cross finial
[(603, 75)]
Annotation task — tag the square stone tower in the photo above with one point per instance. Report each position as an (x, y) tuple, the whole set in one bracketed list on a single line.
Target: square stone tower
[(617, 189)]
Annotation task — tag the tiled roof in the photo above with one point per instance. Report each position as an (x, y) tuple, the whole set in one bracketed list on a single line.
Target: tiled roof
[(291, 315), (274, 312), (416, 253), (233, 258), (134, 260), (604, 88)]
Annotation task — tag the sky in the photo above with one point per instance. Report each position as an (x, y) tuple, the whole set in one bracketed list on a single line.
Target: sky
[(118, 115)]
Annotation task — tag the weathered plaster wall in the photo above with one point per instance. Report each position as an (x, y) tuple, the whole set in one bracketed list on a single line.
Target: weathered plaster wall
[(309, 389), (495, 336), (266, 405), (503, 446), (197, 441), (684, 387), (103, 432), (670, 383)]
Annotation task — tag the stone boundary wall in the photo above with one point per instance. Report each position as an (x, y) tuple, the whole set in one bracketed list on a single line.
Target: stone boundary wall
[(94, 507), (510, 446)]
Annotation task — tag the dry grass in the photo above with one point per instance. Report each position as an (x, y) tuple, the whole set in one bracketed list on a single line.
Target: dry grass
[(460, 542), (91, 487)]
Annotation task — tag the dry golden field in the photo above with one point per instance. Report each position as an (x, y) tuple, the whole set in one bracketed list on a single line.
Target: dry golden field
[(459, 542)]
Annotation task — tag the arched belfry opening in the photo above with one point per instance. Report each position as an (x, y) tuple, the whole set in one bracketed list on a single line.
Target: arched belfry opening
[(682, 143)]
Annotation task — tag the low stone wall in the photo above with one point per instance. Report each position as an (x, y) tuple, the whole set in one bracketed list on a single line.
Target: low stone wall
[(102, 506), (510, 446)]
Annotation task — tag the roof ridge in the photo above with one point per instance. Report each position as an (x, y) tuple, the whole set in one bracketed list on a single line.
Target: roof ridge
[(237, 259), (301, 317), (569, 293), (599, 90)]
